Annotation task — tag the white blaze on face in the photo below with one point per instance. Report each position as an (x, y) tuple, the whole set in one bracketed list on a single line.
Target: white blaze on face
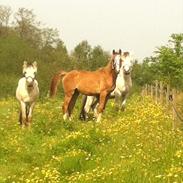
[(29, 74), (117, 62)]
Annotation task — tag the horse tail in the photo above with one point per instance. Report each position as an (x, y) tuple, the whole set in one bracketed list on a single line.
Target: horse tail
[(55, 82)]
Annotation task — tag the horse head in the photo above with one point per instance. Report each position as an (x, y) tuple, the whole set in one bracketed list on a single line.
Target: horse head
[(29, 72), (116, 60), (126, 63)]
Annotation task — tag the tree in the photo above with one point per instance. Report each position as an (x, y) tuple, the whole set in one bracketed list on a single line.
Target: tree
[(50, 37), (5, 13), (27, 26), (167, 65), (82, 54), (177, 41), (99, 58)]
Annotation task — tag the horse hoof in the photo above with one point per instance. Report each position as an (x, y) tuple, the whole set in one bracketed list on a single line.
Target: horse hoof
[(122, 108), (82, 117), (99, 118), (65, 116)]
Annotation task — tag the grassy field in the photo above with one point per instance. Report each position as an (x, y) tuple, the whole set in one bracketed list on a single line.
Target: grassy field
[(137, 145)]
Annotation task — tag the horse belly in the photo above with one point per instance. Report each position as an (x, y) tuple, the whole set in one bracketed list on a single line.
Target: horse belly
[(89, 87)]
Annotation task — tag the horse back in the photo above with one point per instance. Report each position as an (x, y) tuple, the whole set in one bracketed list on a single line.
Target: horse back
[(87, 82)]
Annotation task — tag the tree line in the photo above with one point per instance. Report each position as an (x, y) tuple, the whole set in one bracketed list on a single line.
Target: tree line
[(165, 65), (23, 37)]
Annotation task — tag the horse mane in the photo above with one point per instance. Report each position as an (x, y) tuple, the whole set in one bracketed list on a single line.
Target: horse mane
[(55, 82)]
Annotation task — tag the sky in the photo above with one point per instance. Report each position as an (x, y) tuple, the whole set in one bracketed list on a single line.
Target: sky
[(138, 26)]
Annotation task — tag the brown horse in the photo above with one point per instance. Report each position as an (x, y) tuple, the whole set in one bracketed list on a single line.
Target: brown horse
[(100, 82)]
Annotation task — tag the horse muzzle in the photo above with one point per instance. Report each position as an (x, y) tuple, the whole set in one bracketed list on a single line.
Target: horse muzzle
[(29, 81)]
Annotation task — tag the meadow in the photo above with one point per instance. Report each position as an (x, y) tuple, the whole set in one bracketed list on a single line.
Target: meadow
[(137, 145)]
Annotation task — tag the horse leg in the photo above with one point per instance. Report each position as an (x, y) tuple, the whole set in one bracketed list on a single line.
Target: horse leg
[(67, 99), (23, 113), (117, 100), (20, 117), (82, 115), (95, 105), (123, 102), (27, 112), (88, 105), (102, 103), (73, 102), (30, 113)]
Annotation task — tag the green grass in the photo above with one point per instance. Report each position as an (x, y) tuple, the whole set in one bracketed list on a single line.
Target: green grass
[(137, 145)]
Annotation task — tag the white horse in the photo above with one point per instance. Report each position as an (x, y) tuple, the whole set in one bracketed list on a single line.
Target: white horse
[(121, 91), (27, 92)]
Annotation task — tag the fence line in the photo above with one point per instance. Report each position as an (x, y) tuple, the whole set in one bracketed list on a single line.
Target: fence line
[(163, 94)]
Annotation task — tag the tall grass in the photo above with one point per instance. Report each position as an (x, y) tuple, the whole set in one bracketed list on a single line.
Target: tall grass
[(137, 145)]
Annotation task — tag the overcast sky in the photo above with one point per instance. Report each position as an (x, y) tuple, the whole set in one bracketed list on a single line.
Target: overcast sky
[(135, 25)]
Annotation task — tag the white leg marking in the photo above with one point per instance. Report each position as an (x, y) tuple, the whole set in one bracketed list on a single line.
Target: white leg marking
[(88, 104), (123, 102), (95, 111), (31, 110), (65, 116), (99, 117), (23, 109)]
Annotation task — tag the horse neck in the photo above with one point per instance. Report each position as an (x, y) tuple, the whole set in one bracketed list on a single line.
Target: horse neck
[(126, 78), (108, 68), (29, 88)]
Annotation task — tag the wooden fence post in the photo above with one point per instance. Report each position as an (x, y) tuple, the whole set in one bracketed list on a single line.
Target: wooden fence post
[(173, 110), (156, 91), (146, 89), (161, 92), (167, 94), (152, 90), (167, 97), (142, 92)]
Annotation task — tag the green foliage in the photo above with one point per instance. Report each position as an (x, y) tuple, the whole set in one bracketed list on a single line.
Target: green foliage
[(82, 53), (86, 57), (28, 40), (99, 58), (166, 65)]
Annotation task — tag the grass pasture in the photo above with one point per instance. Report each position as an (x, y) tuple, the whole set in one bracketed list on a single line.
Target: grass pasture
[(136, 146)]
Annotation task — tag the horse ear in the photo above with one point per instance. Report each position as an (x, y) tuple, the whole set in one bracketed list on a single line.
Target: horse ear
[(25, 64), (113, 52), (34, 64), (120, 51)]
